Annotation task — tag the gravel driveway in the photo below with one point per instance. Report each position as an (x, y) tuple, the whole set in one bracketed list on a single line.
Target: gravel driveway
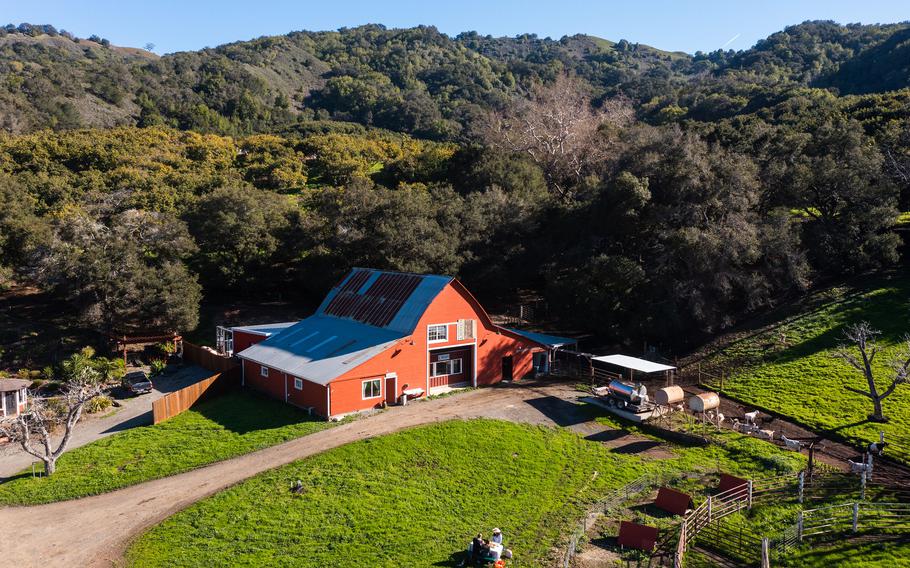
[(134, 411), (95, 531)]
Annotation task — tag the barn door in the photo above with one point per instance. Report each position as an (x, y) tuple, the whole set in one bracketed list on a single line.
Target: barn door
[(391, 394), (507, 368)]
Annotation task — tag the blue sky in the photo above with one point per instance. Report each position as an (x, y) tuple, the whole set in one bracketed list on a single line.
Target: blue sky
[(676, 26)]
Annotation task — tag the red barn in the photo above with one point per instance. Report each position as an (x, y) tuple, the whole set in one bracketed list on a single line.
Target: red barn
[(379, 335)]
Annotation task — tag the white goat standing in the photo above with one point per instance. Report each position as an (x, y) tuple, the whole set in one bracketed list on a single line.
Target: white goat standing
[(858, 467), (766, 434), (795, 445), (751, 417)]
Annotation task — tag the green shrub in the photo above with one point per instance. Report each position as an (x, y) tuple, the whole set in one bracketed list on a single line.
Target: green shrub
[(99, 404), (157, 366)]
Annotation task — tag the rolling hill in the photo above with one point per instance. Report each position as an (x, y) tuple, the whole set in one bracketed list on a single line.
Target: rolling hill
[(415, 80)]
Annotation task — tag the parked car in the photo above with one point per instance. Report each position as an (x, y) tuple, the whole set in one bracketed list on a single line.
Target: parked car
[(137, 382)]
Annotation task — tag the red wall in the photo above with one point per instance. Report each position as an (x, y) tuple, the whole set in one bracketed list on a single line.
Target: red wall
[(243, 339), (311, 395), (409, 358)]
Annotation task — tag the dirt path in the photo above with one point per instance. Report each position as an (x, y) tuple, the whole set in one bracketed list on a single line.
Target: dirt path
[(95, 531), (830, 452), (134, 411)]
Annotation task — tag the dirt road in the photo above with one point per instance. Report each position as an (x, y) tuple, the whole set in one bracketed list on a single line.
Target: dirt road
[(96, 530)]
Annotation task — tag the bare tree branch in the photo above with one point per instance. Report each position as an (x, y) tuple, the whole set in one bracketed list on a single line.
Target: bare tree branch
[(559, 130)]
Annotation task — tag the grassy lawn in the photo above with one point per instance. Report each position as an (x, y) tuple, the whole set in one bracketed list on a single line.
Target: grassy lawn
[(886, 554), (416, 498), (230, 425), (787, 365)]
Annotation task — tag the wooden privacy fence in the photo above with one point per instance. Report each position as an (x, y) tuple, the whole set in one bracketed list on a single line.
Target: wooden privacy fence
[(179, 401), (206, 359)]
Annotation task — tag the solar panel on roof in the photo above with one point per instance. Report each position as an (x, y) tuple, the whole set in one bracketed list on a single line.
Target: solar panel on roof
[(379, 303)]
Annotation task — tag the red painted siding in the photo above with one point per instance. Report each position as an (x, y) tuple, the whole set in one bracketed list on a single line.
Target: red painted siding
[(410, 358), (243, 339), (311, 395)]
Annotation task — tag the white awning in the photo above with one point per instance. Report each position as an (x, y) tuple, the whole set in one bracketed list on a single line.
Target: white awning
[(633, 363)]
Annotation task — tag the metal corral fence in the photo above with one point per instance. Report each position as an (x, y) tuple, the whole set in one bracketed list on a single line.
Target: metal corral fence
[(179, 401), (846, 518), (815, 522), (196, 355), (612, 500)]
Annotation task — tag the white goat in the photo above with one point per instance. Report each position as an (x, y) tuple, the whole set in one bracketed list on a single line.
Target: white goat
[(795, 445), (751, 417), (857, 467), (765, 434)]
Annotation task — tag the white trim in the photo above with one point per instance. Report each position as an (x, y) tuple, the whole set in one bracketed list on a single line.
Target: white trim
[(395, 392), (426, 366), (433, 325), (474, 379), (374, 379), (263, 371), (286, 397), (328, 401), (452, 346), (448, 362), (242, 372)]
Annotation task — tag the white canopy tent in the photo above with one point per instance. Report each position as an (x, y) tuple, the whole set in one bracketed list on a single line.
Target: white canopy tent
[(635, 364)]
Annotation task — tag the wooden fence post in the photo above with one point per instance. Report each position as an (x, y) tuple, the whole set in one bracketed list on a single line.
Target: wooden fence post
[(709, 509), (862, 484), (802, 484), (765, 553), (799, 527), (750, 495), (855, 517)]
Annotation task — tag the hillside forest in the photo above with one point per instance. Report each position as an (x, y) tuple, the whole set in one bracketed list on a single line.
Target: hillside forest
[(644, 194)]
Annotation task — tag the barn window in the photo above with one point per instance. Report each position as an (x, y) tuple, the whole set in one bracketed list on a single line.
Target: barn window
[(443, 368), (298, 384), (264, 371), (437, 333), (372, 388)]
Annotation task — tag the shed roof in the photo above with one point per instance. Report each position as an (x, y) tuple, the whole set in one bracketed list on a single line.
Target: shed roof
[(9, 385), (633, 363), (264, 328), (321, 348), (551, 341)]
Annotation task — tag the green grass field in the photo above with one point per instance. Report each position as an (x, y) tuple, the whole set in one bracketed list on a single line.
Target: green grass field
[(222, 428), (888, 554), (415, 498), (787, 366)]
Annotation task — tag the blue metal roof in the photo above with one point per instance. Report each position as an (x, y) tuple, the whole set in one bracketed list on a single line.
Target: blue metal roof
[(321, 348), (551, 341)]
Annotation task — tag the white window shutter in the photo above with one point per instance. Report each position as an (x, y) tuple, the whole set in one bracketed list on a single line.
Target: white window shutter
[(471, 329), (459, 330)]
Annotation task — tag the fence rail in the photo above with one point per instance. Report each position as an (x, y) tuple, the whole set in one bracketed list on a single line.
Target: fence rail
[(845, 518), (206, 359), (179, 401), (612, 500)]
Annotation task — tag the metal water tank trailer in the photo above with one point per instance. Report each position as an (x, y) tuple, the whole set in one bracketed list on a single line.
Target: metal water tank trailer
[(627, 392), (704, 402)]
